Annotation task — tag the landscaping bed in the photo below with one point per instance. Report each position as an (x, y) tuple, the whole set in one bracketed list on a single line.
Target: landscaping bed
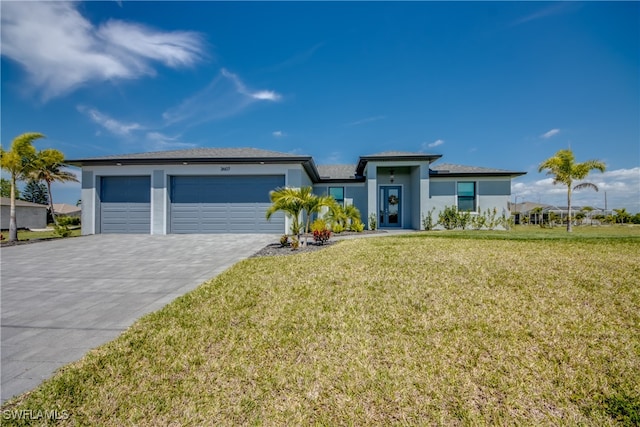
[(276, 249)]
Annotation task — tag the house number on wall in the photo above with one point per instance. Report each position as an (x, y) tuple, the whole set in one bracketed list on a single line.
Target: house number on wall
[(225, 168)]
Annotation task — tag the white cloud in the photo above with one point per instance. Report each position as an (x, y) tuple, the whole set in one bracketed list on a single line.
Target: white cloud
[(549, 134), (366, 120), (622, 188), (112, 125), (436, 143), (159, 142), (278, 134), (264, 95), (553, 9), (61, 50), (225, 96)]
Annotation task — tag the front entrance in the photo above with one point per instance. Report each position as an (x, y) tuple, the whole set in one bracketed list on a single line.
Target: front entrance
[(390, 203)]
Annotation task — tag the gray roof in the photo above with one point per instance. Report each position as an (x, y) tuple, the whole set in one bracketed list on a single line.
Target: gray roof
[(337, 171), (395, 155), (318, 173), (195, 154), (6, 201), (451, 169), (402, 154)]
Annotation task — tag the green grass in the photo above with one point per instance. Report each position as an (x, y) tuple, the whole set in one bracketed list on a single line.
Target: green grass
[(440, 328), (24, 235)]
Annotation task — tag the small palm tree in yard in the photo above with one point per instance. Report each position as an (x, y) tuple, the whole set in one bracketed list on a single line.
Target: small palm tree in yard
[(565, 170), (48, 168), (19, 162), (288, 201), (294, 201)]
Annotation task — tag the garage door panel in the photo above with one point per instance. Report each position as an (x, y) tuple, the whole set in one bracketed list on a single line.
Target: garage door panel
[(224, 204), (125, 204)]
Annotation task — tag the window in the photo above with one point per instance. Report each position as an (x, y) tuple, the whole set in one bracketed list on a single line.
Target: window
[(338, 194), (467, 196)]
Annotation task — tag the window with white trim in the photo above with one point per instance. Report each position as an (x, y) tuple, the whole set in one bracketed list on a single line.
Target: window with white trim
[(338, 194), (467, 196)]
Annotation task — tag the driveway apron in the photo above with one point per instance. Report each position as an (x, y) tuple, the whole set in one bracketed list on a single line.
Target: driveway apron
[(63, 297)]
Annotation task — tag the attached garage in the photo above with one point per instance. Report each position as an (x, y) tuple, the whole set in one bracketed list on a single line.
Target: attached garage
[(223, 204), (125, 204)]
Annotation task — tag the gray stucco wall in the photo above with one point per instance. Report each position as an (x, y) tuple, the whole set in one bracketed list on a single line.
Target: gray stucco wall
[(356, 192), (26, 217)]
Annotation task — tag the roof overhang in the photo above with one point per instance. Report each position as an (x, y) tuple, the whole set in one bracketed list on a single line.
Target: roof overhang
[(362, 162), (448, 174)]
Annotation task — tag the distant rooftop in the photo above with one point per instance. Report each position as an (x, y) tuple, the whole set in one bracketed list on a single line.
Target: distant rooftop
[(6, 201)]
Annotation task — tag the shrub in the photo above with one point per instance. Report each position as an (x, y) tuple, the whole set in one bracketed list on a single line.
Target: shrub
[(464, 219), (318, 225), (337, 228), (295, 244), (357, 226), (448, 218), (321, 235), (62, 230), (373, 222), (68, 220), (427, 221), (284, 240)]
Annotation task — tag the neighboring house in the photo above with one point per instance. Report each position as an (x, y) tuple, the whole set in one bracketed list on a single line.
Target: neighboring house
[(536, 213), (218, 190), (28, 215), (62, 209)]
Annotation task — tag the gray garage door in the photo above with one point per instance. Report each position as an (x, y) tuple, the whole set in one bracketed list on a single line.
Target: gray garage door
[(125, 204), (224, 204)]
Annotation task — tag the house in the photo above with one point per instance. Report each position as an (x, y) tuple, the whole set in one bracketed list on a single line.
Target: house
[(218, 190), (63, 209), (536, 213), (28, 215)]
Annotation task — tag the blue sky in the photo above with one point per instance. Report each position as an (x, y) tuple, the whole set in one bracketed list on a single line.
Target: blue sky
[(494, 84)]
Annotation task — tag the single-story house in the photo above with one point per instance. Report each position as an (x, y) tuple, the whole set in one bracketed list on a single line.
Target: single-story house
[(226, 190), (63, 209), (537, 213), (28, 215)]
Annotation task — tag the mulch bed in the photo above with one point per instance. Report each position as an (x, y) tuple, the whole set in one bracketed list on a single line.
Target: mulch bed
[(276, 249)]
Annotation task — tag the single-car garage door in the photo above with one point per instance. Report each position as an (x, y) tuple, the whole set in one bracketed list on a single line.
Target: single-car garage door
[(125, 204), (224, 204)]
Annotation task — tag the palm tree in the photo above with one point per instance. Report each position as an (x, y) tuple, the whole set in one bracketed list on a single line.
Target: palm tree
[(19, 162), (565, 170), (288, 201), (294, 201), (312, 203), (47, 168), (345, 216)]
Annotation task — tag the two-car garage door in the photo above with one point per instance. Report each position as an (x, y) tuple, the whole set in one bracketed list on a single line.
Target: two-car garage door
[(223, 204), (197, 204)]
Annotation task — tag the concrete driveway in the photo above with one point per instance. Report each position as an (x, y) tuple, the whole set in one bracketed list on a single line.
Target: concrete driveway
[(61, 298)]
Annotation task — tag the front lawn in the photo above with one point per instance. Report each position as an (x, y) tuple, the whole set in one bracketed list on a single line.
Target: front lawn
[(442, 328), (24, 235)]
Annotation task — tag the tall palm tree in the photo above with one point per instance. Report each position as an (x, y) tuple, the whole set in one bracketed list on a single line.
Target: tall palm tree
[(19, 162), (47, 168), (565, 170)]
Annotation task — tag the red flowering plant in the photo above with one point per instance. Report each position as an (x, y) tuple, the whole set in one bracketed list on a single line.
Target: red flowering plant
[(321, 232)]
